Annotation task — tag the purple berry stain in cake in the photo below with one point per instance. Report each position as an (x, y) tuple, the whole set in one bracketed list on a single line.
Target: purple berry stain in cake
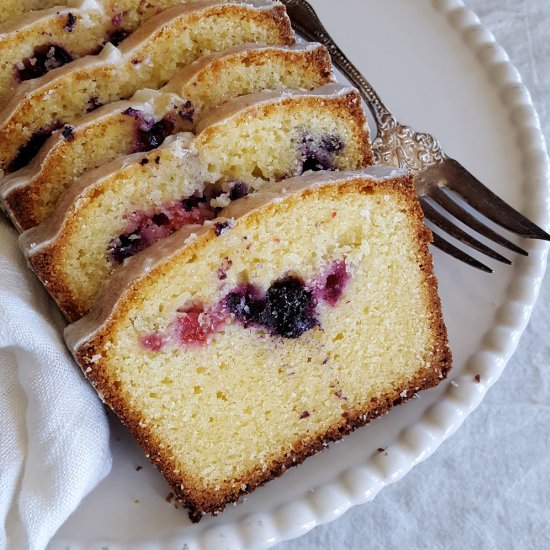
[(146, 228), (150, 134), (319, 154), (30, 149), (71, 22), (287, 309), (44, 59), (187, 111), (93, 104), (225, 266), (221, 227), (330, 287), (117, 36), (238, 190), (246, 303), (68, 132)]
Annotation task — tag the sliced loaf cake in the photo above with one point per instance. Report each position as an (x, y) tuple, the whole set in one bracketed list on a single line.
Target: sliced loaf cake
[(112, 213), (30, 194), (271, 135), (14, 8), (235, 350), (249, 68), (39, 41), (148, 58), (88, 234), (120, 128)]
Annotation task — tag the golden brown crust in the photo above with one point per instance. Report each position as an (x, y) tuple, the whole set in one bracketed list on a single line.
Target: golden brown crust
[(27, 203), (200, 500), (43, 263), (317, 59)]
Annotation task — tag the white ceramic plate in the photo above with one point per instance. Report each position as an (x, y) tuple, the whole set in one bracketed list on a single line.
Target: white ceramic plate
[(440, 71)]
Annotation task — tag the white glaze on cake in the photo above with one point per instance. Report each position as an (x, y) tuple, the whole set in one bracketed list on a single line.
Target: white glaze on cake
[(230, 108), (32, 240), (123, 55), (150, 102), (142, 34), (162, 251)]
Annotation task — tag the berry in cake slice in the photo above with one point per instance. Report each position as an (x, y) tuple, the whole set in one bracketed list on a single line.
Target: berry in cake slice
[(34, 44), (236, 349), (74, 272), (148, 58)]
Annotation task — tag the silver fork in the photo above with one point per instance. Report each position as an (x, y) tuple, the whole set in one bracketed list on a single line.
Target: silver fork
[(439, 178)]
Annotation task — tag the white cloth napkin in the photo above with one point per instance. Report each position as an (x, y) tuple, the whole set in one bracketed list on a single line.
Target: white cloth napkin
[(54, 436)]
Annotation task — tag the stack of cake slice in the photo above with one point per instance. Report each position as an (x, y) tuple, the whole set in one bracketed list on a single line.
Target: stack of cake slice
[(243, 288)]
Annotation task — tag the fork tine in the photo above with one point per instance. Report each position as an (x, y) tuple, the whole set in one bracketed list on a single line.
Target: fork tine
[(445, 201), (438, 219), (490, 205), (445, 246)]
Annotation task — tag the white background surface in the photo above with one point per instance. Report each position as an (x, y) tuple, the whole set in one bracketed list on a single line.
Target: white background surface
[(488, 486)]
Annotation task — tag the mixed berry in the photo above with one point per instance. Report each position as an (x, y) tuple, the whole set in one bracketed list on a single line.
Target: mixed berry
[(146, 228), (287, 309), (149, 134), (315, 154), (44, 59), (28, 151)]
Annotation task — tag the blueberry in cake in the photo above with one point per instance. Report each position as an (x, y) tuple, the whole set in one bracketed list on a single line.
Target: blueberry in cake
[(39, 41), (236, 349), (148, 58), (72, 251)]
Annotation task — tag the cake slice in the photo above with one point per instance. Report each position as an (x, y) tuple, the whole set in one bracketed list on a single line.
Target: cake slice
[(272, 135), (235, 350), (248, 68), (30, 194), (148, 58), (88, 234), (120, 128), (113, 213)]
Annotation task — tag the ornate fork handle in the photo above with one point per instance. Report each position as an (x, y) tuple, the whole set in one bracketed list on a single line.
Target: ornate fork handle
[(395, 144)]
